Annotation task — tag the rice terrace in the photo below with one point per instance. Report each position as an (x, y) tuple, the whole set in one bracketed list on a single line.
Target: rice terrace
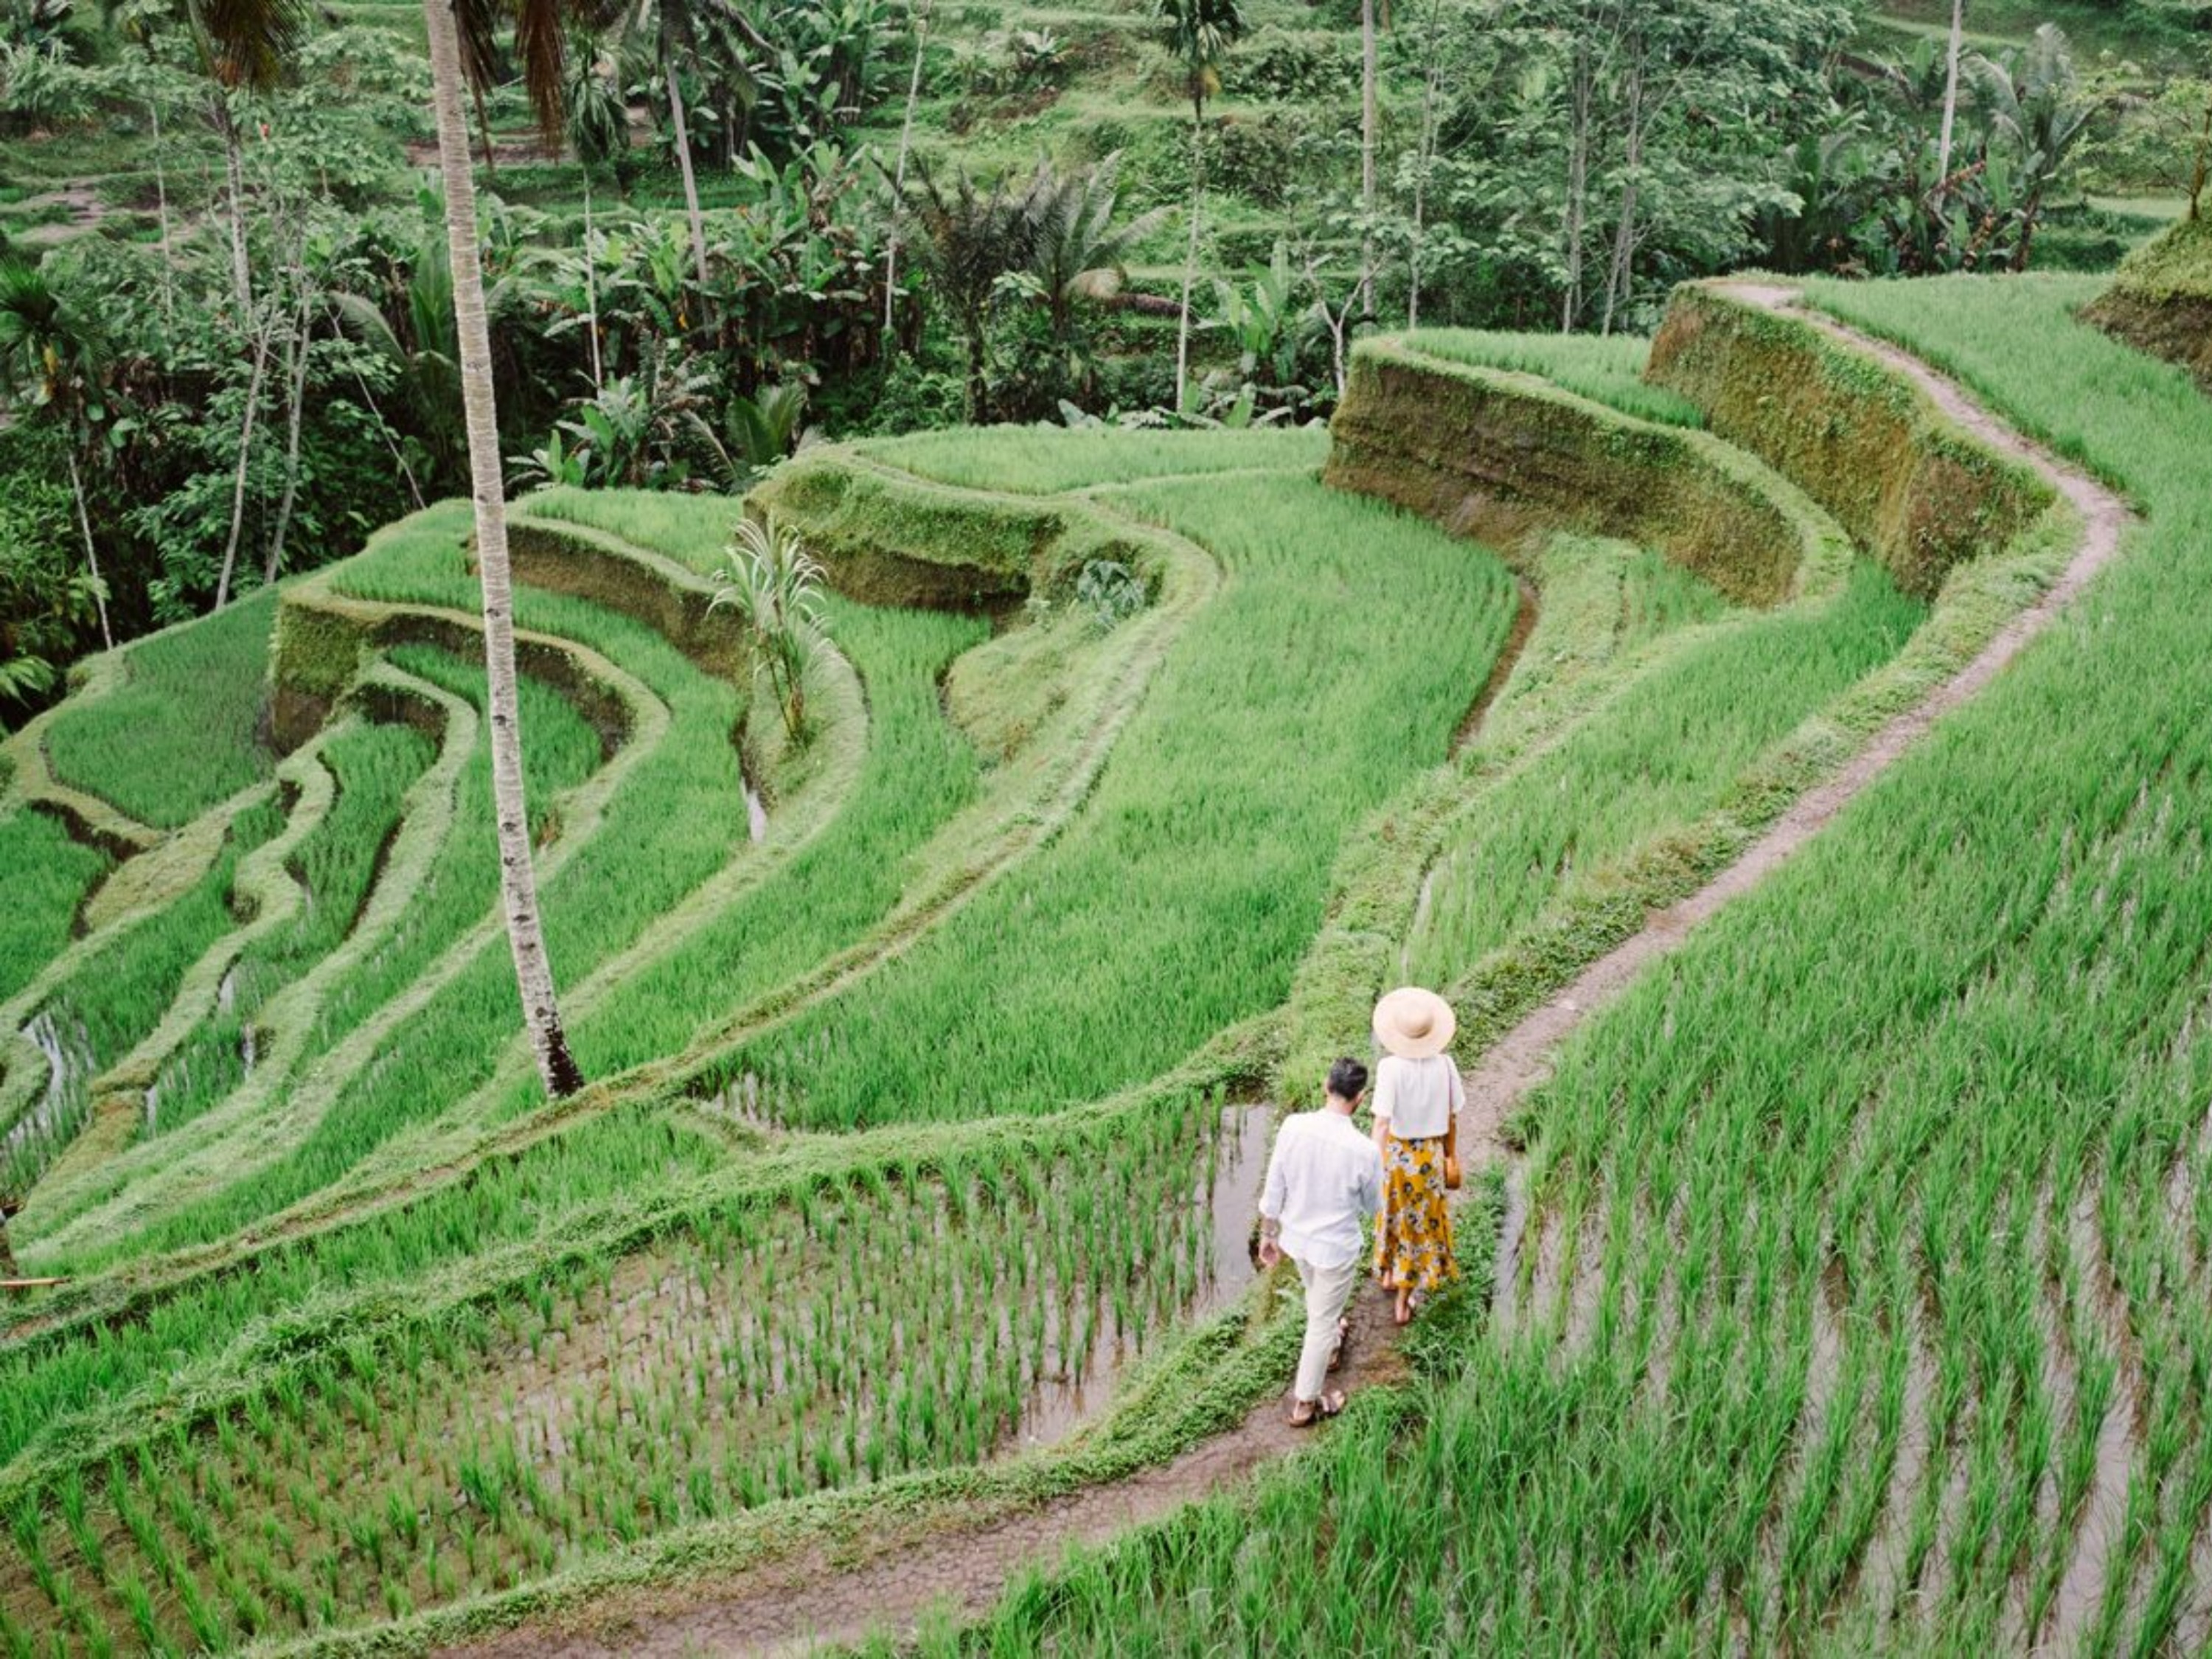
[(1188, 826)]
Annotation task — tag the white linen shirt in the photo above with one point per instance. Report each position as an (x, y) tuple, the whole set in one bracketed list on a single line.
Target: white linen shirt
[(1419, 1097), (1323, 1179)]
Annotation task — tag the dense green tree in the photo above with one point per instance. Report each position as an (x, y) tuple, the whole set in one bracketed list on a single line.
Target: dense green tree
[(53, 364)]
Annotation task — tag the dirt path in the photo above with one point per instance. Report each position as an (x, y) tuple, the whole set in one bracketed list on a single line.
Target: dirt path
[(807, 1599)]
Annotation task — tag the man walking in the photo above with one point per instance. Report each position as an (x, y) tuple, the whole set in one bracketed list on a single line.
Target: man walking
[(1323, 1178)]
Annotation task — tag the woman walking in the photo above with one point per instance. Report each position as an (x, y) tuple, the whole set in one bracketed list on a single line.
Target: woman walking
[(1418, 1097)]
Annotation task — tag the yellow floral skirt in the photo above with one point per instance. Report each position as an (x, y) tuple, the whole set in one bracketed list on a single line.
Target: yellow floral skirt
[(1414, 1242)]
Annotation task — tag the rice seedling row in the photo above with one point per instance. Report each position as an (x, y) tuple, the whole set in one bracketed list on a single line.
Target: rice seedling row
[(563, 752), (117, 997), (374, 765), (900, 1323)]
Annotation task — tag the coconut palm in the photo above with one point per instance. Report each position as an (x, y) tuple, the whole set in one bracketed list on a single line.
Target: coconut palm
[(51, 360), (1077, 252), (1199, 33), (254, 37)]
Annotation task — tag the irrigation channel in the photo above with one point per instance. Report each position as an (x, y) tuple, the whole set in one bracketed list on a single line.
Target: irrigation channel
[(808, 1599)]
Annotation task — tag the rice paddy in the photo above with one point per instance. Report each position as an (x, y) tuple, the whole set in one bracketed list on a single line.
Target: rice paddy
[(1849, 1300)]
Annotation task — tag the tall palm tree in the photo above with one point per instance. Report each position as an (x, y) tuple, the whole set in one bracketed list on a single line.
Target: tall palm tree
[(918, 11), (538, 44), (50, 356), (1200, 34), (243, 46), (695, 33), (259, 32)]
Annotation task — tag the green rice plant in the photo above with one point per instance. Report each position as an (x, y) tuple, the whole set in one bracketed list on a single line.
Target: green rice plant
[(49, 874), (1984, 977), (1035, 988), (1659, 755), (1049, 461), (119, 993), (562, 751), (373, 765), (1607, 370), (177, 736)]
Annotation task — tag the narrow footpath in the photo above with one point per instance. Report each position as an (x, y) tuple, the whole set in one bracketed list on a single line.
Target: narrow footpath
[(805, 1602)]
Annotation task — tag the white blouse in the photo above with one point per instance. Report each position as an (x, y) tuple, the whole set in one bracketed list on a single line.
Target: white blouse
[(1419, 1098)]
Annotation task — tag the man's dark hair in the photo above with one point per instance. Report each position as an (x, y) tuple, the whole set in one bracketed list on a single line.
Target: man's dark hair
[(1347, 1078)]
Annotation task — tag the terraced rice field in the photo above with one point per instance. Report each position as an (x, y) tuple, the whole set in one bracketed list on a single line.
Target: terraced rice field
[(1844, 1297)]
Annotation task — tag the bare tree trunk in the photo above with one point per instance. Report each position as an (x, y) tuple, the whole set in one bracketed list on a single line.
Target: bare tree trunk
[(2197, 179), (1950, 96), (483, 126), (91, 553), (161, 203), (1578, 138), (244, 455), (1623, 263), (591, 288), (295, 368), (398, 458), (1190, 259), (234, 158), (1428, 156), (899, 175), (683, 165), (534, 972), (1369, 122)]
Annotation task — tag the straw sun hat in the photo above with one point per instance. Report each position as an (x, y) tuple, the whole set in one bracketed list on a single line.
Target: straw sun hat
[(1414, 1023)]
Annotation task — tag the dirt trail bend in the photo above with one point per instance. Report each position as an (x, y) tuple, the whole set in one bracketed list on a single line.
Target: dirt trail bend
[(808, 1599)]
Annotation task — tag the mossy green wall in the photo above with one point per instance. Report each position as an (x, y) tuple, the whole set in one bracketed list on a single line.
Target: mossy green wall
[(1914, 491), (1504, 457)]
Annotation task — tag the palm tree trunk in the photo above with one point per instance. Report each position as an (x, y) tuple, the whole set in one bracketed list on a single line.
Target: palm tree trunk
[(245, 456), (683, 165), (483, 126), (1622, 269), (898, 177), (1189, 262), (91, 553), (1581, 92), (525, 937), (2197, 178), (1369, 123), (1950, 96)]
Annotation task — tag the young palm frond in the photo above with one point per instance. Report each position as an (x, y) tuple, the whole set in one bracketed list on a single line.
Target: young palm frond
[(775, 586), (1077, 252)]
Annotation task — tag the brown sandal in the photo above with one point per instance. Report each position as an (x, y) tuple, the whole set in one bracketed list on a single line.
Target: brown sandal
[(1330, 1403)]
